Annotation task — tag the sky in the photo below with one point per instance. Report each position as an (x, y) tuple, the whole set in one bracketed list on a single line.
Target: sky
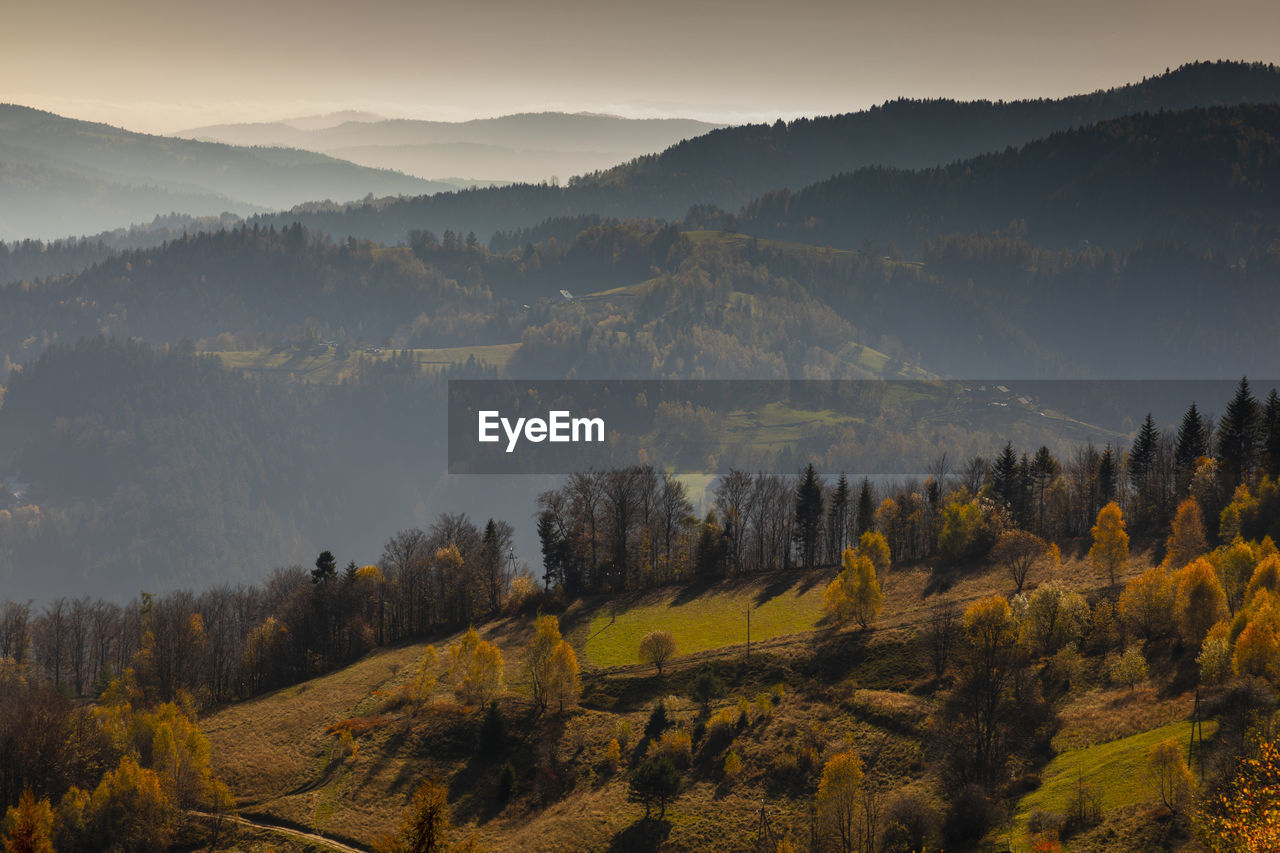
[(163, 66)]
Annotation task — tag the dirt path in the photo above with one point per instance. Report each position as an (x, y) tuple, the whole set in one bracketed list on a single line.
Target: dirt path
[(279, 829)]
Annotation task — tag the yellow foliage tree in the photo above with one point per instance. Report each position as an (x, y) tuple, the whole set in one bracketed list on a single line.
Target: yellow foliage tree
[(546, 637), (1186, 535), (1265, 576), (565, 682), (1147, 602), (1245, 818), (422, 683), (476, 668), (875, 548), (855, 592), (28, 826), (1169, 776), (839, 798), (1200, 601), (1110, 550), (426, 824)]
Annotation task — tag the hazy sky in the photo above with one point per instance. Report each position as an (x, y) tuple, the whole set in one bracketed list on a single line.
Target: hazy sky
[(162, 66)]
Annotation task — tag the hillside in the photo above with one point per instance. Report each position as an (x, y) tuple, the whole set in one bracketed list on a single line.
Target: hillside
[(63, 177), (530, 147), (828, 690)]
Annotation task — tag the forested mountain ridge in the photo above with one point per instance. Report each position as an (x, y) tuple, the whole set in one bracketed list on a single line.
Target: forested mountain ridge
[(64, 177), (1208, 178), (730, 167)]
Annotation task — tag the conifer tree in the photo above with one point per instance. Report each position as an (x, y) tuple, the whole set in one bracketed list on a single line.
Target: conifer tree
[(1238, 437)]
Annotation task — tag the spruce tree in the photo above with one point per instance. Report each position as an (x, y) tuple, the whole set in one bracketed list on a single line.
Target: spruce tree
[(838, 520), (1193, 439), (1271, 435), (1238, 436), (808, 515), (1107, 475), (866, 507)]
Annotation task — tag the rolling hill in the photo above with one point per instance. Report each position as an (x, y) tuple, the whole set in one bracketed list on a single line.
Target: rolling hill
[(63, 177)]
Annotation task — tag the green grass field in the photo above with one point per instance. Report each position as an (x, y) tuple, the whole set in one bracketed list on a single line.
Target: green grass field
[(1115, 768), (710, 620)]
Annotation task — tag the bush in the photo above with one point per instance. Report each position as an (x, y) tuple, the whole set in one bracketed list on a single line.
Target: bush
[(658, 721), (732, 766), (969, 816), (910, 824), (675, 745), (493, 731)]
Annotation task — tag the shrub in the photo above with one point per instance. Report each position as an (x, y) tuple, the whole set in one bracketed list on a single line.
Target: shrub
[(732, 766)]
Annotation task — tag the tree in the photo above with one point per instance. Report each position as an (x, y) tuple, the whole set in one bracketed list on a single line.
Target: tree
[(655, 781), (707, 687), (1017, 551), (1054, 616), (1169, 776), (808, 516), (839, 799), (875, 547), (1186, 535), (838, 519), (476, 667), (1243, 817), (855, 592), (656, 648), (546, 637), (1238, 437), (866, 507), (1193, 442), (28, 826), (565, 684), (1130, 669), (1147, 602), (1200, 601), (1271, 435), (1110, 549), (326, 568), (426, 823), (1142, 467)]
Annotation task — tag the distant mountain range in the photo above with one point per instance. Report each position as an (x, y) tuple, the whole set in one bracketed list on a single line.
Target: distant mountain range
[(528, 147), (61, 177), (730, 168)]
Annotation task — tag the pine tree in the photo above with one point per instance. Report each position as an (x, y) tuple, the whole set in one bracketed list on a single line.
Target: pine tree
[(1005, 480), (1107, 475), (808, 515), (838, 519), (866, 507), (1193, 439), (1238, 437), (1143, 473), (1271, 435)]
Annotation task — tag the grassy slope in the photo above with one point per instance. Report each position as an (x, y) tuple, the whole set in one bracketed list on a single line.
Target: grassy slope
[(1115, 768), (842, 688)]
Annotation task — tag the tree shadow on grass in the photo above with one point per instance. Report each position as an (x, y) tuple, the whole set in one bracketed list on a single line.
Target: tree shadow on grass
[(646, 834)]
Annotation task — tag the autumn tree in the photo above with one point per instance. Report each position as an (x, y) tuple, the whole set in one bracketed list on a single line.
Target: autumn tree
[(1245, 817), (839, 799), (1017, 551), (476, 668), (1110, 550), (28, 826), (1147, 602), (426, 824), (565, 683), (1200, 601), (1130, 669), (855, 592), (656, 648), (1168, 775), (1186, 535)]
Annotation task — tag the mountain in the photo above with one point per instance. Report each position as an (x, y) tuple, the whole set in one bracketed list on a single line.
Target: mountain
[(62, 176), (729, 168), (530, 147), (1207, 178)]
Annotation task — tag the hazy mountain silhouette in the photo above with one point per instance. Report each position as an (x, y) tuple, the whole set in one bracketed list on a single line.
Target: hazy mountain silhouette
[(528, 147), (63, 176)]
